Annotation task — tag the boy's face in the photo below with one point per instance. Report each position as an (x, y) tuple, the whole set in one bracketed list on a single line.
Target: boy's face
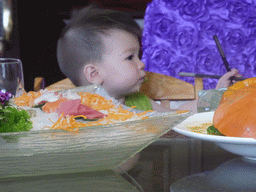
[(121, 70)]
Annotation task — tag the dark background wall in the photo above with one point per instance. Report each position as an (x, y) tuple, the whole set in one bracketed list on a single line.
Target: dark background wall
[(39, 26)]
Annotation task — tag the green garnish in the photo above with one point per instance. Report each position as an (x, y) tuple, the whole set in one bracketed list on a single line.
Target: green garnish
[(139, 100), (39, 105), (81, 118), (211, 130), (12, 119)]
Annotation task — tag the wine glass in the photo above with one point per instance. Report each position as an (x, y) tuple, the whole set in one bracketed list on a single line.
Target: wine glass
[(11, 76)]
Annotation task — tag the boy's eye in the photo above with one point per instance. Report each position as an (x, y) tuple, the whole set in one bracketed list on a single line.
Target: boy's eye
[(130, 57)]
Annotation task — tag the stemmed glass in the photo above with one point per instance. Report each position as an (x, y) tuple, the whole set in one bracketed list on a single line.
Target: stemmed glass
[(11, 76)]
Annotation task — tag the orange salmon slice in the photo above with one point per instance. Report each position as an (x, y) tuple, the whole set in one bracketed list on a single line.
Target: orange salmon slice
[(51, 107)]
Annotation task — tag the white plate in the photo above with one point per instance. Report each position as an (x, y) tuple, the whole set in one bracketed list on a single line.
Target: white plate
[(238, 145)]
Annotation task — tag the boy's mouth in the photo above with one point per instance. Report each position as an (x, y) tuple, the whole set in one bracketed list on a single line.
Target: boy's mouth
[(142, 78)]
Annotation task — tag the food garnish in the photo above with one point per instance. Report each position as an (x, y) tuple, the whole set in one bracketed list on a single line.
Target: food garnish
[(211, 130), (27, 99), (11, 118), (96, 101), (39, 105), (139, 100)]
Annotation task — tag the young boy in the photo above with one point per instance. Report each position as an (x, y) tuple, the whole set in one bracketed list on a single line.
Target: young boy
[(101, 46)]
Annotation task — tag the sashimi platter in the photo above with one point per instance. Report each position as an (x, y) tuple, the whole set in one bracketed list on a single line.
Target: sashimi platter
[(78, 130)]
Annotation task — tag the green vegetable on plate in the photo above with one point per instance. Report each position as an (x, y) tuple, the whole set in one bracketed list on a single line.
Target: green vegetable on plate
[(211, 130)]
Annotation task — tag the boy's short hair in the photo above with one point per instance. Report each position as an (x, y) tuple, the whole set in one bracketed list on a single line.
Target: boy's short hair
[(80, 41)]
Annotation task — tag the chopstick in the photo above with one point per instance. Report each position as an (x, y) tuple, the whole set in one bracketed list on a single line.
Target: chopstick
[(223, 57), (184, 74)]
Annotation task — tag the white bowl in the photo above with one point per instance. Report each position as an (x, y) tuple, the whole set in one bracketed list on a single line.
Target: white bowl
[(238, 145)]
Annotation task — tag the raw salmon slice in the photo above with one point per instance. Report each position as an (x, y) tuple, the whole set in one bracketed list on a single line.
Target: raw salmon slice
[(51, 107)]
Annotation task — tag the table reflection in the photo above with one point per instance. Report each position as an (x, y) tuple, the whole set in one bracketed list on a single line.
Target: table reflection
[(168, 161), (238, 174)]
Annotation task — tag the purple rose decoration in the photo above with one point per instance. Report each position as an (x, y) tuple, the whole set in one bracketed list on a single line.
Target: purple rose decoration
[(251, 63), (158, 58), (241, 62), (216, 4), (208, 61), (185, 39), (213, 26), (178, 36), (164, 27), (173, 3), (192, 10), (235, 41), (250, 24), (210, 83), (182, 64), (238, 11)]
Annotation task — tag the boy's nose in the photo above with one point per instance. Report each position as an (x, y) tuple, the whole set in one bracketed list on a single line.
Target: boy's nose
[(141, 65)]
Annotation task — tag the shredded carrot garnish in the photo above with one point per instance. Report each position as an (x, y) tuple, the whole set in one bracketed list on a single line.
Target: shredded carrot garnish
[(27, 99), (115, 115), (68, 123), (183, 111), (95, 101)]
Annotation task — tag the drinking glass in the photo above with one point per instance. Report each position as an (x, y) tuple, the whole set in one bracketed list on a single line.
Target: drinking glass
[(208, 100), (11, 76)]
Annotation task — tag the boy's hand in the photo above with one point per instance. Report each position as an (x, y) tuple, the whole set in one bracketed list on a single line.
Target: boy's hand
[(225, 80)]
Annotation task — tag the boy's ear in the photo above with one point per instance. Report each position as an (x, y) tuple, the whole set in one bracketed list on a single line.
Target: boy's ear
[(92, 74)]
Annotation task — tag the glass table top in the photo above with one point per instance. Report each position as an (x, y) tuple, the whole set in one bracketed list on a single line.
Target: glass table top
[(185, 164)]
